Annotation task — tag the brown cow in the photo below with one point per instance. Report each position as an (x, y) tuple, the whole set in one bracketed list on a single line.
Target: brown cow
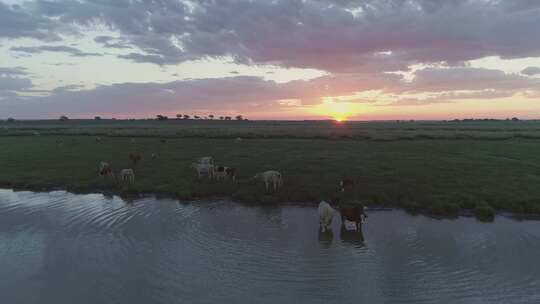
[(346, 183), (135, 157), (354, 214), (231, 173), (222, 172)]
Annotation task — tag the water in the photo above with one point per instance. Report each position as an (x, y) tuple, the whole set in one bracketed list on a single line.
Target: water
[(64, 248)]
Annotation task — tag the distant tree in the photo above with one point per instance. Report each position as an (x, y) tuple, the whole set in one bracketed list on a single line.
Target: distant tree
[(11, 119), (227, 118), (97, 118), (186, 116), (63, 118), (239, 117), (515, 119), (211, 116), (161, 117), (221, 118), (179, 116), (196, 117)]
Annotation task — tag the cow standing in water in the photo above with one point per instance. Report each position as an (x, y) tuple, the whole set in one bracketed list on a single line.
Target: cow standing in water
[(354, 214), (326, 214)]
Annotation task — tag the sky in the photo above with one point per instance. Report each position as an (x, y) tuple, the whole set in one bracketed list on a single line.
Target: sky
[(270, 59)]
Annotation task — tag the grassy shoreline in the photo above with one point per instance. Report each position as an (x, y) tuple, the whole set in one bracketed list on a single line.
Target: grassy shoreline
[(428, 175)]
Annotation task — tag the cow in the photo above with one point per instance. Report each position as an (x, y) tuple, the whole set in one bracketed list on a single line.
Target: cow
[(354, 214), (202, 169), (346, 183), (231, 173), (127, 175), (135, 158), (154, 156), (104, 169), (271, 177), (98, 139), (222, 172), (326, 214)]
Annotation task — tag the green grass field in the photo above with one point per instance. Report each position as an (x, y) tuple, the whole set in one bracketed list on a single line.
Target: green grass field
[(436, 167)]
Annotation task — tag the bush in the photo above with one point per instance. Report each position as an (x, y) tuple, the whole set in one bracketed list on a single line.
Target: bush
[(444, 209), (484, 213)]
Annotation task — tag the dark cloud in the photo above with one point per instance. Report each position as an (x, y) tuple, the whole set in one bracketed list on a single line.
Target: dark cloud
[(112, 42), (250, 94), (57, 49), (13, 79), (186, 95), (8, 83), (14, 71), (336, 36), (531, 71), (467, 78), (19, 22)]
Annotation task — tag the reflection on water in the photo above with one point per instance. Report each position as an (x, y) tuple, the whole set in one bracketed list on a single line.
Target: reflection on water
[(352, 237), (63, 248)]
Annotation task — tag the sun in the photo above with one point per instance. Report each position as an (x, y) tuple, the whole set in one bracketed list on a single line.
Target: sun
[(339, 110)]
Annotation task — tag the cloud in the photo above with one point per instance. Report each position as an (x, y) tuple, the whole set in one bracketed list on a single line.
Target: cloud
[(13, 79), (467, 78), (56, 49), (15, 71), (531, 71), (19, 22), (449, 97), (8, 83), (112, 42), (358, 43), (335, 36)]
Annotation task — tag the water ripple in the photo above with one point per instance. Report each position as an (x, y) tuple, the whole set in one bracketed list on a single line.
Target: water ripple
[(100, 249)]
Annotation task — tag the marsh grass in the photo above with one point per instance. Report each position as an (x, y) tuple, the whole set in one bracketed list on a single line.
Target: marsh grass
[(423, 173)]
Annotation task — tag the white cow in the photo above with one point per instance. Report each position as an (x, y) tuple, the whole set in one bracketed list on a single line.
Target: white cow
[(127, 175), (326, 214), (273, 178)]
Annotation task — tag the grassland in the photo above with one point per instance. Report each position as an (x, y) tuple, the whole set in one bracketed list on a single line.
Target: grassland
[(438, 167)]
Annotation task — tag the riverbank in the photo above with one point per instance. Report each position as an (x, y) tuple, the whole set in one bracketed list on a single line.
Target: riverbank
[(437, 176)]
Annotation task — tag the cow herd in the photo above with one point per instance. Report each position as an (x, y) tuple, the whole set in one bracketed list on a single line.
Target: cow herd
[(204, 167), (351, 217)]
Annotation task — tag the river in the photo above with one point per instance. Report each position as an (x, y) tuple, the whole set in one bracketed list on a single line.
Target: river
[(59, 247)]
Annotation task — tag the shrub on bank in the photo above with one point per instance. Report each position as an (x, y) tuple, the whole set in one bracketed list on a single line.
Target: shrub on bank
[(484, 212)]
